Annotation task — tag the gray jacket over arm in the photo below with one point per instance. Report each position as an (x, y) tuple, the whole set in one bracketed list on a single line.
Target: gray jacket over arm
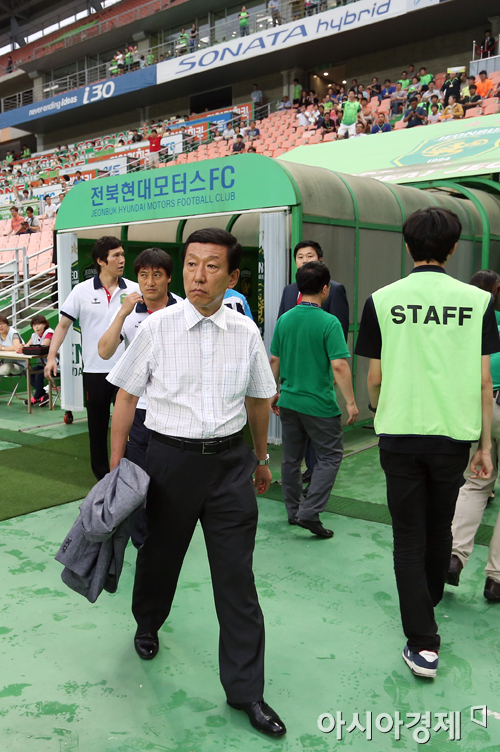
[(94, 549)]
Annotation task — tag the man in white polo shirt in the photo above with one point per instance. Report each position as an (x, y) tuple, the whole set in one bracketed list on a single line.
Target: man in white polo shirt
[(153, 268), (94, 302)]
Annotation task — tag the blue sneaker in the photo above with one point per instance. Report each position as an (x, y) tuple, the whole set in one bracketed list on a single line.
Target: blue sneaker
[(424, 663)]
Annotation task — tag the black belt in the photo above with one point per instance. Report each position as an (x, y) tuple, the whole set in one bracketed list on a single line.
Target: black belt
[(211, 446)]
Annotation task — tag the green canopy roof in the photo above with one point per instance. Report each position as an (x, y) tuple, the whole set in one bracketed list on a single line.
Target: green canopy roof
[(457, 149)]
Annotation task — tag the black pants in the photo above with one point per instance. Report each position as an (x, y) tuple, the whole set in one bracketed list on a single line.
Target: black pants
[(217, 490), (422, 492), (135, 451), (37, 379), (99, 395)]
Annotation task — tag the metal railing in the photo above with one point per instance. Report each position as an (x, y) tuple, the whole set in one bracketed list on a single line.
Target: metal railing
[(478, 53), (21, 298), (222, 31)]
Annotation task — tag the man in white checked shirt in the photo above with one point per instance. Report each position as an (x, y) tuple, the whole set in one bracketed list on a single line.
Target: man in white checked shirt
[(200, 364)]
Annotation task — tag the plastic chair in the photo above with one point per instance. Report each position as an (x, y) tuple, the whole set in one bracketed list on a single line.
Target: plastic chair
[(399, 125), (473, 112), (490, 106)]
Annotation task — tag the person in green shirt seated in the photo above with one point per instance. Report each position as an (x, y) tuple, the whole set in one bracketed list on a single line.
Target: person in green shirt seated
[(9, 158), (26, 152), (243, 20), (425, 78), (182, 43), (404, 80), (308, 352)]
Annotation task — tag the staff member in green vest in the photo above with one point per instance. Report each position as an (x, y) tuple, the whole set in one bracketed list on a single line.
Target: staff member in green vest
[(429, 340), (243, 20)]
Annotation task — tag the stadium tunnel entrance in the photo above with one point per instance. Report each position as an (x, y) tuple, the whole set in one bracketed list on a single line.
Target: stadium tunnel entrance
[(270, 206)]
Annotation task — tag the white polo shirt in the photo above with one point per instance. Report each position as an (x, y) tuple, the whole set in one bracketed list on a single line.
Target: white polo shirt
[(132, 323), (89, 303)]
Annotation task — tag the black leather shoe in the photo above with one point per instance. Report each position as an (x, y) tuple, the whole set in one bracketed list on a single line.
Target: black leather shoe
[(292, 521), (146, 645), (456, 566), (492, 590), (316, 528), (262, 717)]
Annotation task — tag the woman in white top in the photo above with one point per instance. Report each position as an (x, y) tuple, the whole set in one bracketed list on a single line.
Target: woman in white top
[(42, 336), (10, 341)]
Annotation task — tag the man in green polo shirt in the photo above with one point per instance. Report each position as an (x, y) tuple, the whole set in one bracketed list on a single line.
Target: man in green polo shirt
[(429, 340), (308, 351), (425, 78), (404, 80)]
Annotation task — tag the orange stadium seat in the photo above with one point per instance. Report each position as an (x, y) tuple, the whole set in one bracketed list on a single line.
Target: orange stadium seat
[(473, 112)]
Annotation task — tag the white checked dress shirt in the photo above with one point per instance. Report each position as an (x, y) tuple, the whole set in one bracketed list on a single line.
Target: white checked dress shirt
[(195, 371)]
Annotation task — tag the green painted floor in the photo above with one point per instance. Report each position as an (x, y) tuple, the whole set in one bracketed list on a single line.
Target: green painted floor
[(70, 679)]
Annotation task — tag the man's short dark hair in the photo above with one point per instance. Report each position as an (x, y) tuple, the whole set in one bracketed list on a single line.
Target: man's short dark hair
[(217, 236), (29, 208), (153, 258), (472, 86), (413, 99), (481, 72), (46, 197), (66, 178), (312, 277), (102, 248), (308, 244), (431, 233)]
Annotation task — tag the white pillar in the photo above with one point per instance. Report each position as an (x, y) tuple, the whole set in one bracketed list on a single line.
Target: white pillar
[(71, 349)]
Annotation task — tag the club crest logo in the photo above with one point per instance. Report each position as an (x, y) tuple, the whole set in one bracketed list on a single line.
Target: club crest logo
[(464, 145)]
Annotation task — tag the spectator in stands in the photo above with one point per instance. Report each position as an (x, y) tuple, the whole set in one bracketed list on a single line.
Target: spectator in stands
[(374, 89), (411, 71), (32, 220), (465, 91), (25, 229), (252, 133), (193, 38), (10, 341), (10, 65), (239, 144), (484, 86), (9, 157), (26, 153), (228, 132), (256, 97), (136, 138), (312, 98), (404, 80), (78, 178), (129, 58), (243, 22), (434, 114), (367, 114), (120, 62), (304, 99), (285, 104), (328, 103), (388, 89), (50, 209), (351, 111), (182, 43), (425, 78), (16, 221), (453, 111), (381, 126), (328, 125), (303, 118), (473, 100), (362, 92), (398, 99), (487, 48), (217, 135), (360, 130), (154, 139), (251, 150), (273, 7), (431, 91), (354, 85), (415, 115), (136, 57), (415, 86), (451, 86), (434, 100)]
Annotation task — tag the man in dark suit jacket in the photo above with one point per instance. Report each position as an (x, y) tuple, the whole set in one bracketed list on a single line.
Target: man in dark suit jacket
[(336, 304)]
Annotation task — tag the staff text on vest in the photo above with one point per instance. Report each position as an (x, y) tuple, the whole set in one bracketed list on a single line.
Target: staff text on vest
[(416, 314)]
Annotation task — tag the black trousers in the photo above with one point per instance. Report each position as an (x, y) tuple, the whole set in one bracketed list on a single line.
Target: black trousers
[(217, 490), (422, 492), (135, 451), (99, 395)]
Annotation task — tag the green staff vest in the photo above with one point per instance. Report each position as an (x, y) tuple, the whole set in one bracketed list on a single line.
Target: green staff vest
[(431, 328)]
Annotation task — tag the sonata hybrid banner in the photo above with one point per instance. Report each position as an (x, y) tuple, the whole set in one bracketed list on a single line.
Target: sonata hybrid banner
[(308, 29), (108, 89)]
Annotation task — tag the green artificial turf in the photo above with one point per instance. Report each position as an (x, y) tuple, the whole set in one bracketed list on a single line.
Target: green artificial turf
[(41, 473)]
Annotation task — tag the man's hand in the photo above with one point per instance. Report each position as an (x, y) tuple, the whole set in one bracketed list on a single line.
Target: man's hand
[(262, 479), (481, 465), (273, 404), (50, 368), (130, 302), (353, 412)]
